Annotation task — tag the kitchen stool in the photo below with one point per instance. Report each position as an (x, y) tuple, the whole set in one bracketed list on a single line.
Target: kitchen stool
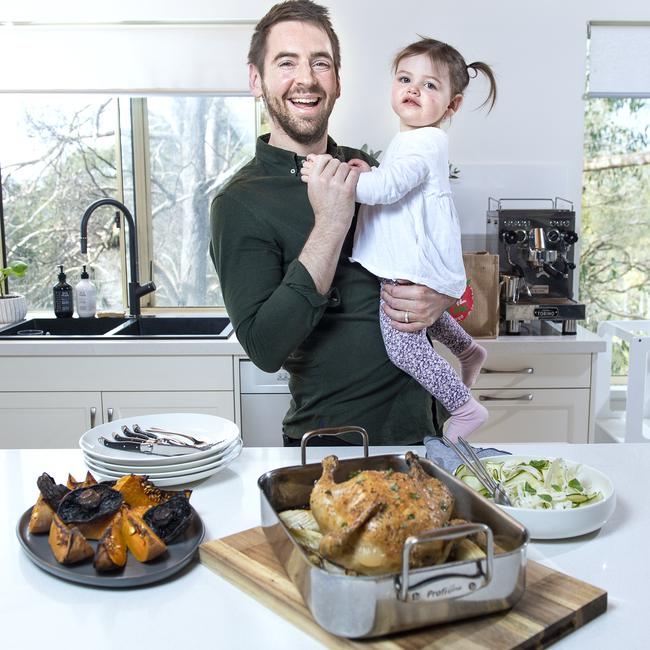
[(634, 426)]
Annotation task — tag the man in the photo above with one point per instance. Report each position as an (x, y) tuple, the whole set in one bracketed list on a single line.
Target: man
[(295, 299)]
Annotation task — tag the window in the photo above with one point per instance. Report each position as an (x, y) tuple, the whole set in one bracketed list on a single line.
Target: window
[(163, 156), (156, 115), (615, 230)]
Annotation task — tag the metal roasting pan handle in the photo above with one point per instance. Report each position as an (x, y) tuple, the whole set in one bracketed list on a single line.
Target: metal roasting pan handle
[(332, 431), (448, 585)]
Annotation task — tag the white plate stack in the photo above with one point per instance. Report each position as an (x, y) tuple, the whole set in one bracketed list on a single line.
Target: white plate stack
[(221, 435)]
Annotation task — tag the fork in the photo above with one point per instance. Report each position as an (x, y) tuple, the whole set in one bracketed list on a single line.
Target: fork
[(154, 432), (467, 454)]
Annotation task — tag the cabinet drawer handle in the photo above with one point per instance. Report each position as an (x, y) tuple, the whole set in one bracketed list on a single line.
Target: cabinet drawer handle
[(522, 371), (93, 414), (521, 398), (109, 414)]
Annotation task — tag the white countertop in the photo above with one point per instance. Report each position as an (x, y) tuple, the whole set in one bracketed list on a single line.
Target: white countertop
[(199, 609), (584, 342)]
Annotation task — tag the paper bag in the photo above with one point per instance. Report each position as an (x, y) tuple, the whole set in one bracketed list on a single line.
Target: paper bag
[(477, 310)]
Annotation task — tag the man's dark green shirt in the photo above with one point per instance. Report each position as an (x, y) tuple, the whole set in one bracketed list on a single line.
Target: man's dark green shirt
[(331, 345)]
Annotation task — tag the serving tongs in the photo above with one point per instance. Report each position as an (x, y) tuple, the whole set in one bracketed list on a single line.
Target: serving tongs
[(467, 454)]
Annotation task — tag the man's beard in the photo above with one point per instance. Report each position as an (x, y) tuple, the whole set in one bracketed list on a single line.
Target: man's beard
[(305, 131)]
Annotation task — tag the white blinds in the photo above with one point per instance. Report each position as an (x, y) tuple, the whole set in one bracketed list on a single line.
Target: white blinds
[(619, 60), (125, 58)]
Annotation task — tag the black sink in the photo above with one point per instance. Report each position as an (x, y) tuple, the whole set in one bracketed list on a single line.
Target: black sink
[(45, 327), (175, 327), (107, 328)]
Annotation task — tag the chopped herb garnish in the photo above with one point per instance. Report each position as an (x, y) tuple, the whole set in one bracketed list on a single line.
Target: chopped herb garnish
[(529, 488), (361, 479), (444, 506), (354, 473), (344, 524), (545, 497), (410, 516), (389, 472), (414, 495), (539, 464), (575, 484), (394, 487), (557, 488)]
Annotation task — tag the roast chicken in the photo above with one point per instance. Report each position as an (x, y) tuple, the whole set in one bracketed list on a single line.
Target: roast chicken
[(366, 519)]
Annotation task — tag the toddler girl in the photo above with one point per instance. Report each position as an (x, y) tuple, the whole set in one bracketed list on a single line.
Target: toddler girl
[(408, 228)]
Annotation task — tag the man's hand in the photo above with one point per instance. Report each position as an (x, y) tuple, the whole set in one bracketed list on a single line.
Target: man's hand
[(331, 188), (413, 307)]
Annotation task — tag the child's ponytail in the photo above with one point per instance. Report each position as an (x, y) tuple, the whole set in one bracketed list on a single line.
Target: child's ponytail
[(479, 66)]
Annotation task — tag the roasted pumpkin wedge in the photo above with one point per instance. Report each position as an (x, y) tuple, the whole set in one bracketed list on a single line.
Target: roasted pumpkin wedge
[(138, 490), (140, 539), (73, 484), (67, 543), (41, 518), (111, 551)]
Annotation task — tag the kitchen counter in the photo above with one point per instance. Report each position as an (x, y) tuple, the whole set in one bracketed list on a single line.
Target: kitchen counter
[(584, 342), (199, 609)]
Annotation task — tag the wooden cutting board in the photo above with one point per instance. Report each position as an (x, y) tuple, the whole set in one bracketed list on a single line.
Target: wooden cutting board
[(553, 605)]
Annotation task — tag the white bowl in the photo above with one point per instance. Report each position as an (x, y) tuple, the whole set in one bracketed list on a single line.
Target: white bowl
[(559, 524)]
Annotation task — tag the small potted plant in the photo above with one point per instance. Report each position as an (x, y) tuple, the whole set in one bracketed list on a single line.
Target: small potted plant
[(13, 306)]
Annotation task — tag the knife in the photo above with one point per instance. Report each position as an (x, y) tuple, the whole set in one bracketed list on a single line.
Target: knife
[(155, 448)]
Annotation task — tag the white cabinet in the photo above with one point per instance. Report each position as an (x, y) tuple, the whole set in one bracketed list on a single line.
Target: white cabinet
[(533, 397), (46, 402), (127, 404), (37, 420)]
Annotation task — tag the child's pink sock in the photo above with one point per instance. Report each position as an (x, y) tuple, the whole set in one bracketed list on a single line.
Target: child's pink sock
[(465, 420), (471, 361)]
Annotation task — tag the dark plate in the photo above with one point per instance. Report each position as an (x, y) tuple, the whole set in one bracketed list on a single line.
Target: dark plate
[(179, 553)]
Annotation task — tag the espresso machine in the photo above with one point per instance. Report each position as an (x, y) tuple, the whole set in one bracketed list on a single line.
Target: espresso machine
[(536, 249)]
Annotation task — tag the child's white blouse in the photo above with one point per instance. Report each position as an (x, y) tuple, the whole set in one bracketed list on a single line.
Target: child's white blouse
[(408, 227)]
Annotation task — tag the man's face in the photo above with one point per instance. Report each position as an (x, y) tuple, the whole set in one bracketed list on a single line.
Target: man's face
[(299, 83)]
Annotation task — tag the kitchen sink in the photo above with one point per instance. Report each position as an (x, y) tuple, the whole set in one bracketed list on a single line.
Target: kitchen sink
[(122, 328), (45, 327), (175, 327)]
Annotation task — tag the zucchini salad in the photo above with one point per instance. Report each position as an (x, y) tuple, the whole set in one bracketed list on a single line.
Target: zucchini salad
[(536, 484)]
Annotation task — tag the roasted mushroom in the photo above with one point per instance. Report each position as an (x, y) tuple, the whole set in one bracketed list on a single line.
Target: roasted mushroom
[(52, 493), (170, 519), (90, 508)]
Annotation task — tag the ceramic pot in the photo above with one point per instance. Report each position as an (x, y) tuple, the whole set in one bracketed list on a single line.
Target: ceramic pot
[(13, 308)]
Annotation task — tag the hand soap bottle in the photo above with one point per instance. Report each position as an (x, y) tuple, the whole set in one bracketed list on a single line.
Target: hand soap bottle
[(86, 296), (63, 302)]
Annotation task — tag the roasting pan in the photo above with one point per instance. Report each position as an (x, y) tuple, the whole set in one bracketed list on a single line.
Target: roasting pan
[(370, 606)]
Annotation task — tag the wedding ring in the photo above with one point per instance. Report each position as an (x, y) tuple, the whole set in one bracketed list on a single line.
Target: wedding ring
[(406, 317)]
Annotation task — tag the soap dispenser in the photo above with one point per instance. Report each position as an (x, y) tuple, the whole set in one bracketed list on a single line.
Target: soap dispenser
[(86, 296), (63, 302)]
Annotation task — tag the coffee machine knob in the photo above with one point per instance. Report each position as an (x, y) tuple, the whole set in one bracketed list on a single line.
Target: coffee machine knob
[(521, 236), (509, 236), (570, 237), (553, 236)]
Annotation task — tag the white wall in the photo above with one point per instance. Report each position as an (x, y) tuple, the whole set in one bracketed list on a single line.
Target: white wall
[(530, 145)]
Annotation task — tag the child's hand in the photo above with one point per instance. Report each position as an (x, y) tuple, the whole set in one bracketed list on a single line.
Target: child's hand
[(359, 164), (308, 164)]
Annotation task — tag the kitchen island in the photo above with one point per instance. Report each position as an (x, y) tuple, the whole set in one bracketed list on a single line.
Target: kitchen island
[(199, 609)]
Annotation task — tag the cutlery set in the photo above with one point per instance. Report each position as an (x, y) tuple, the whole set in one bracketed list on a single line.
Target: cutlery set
[(155, 440)]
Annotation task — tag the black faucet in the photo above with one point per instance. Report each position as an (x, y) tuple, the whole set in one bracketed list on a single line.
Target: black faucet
[(135, 290)]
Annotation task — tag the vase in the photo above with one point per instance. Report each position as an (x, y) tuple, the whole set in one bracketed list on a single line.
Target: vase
[(13, 307)]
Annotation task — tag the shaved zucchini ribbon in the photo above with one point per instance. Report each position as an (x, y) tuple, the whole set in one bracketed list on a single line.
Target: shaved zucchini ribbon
[(536, 484)]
